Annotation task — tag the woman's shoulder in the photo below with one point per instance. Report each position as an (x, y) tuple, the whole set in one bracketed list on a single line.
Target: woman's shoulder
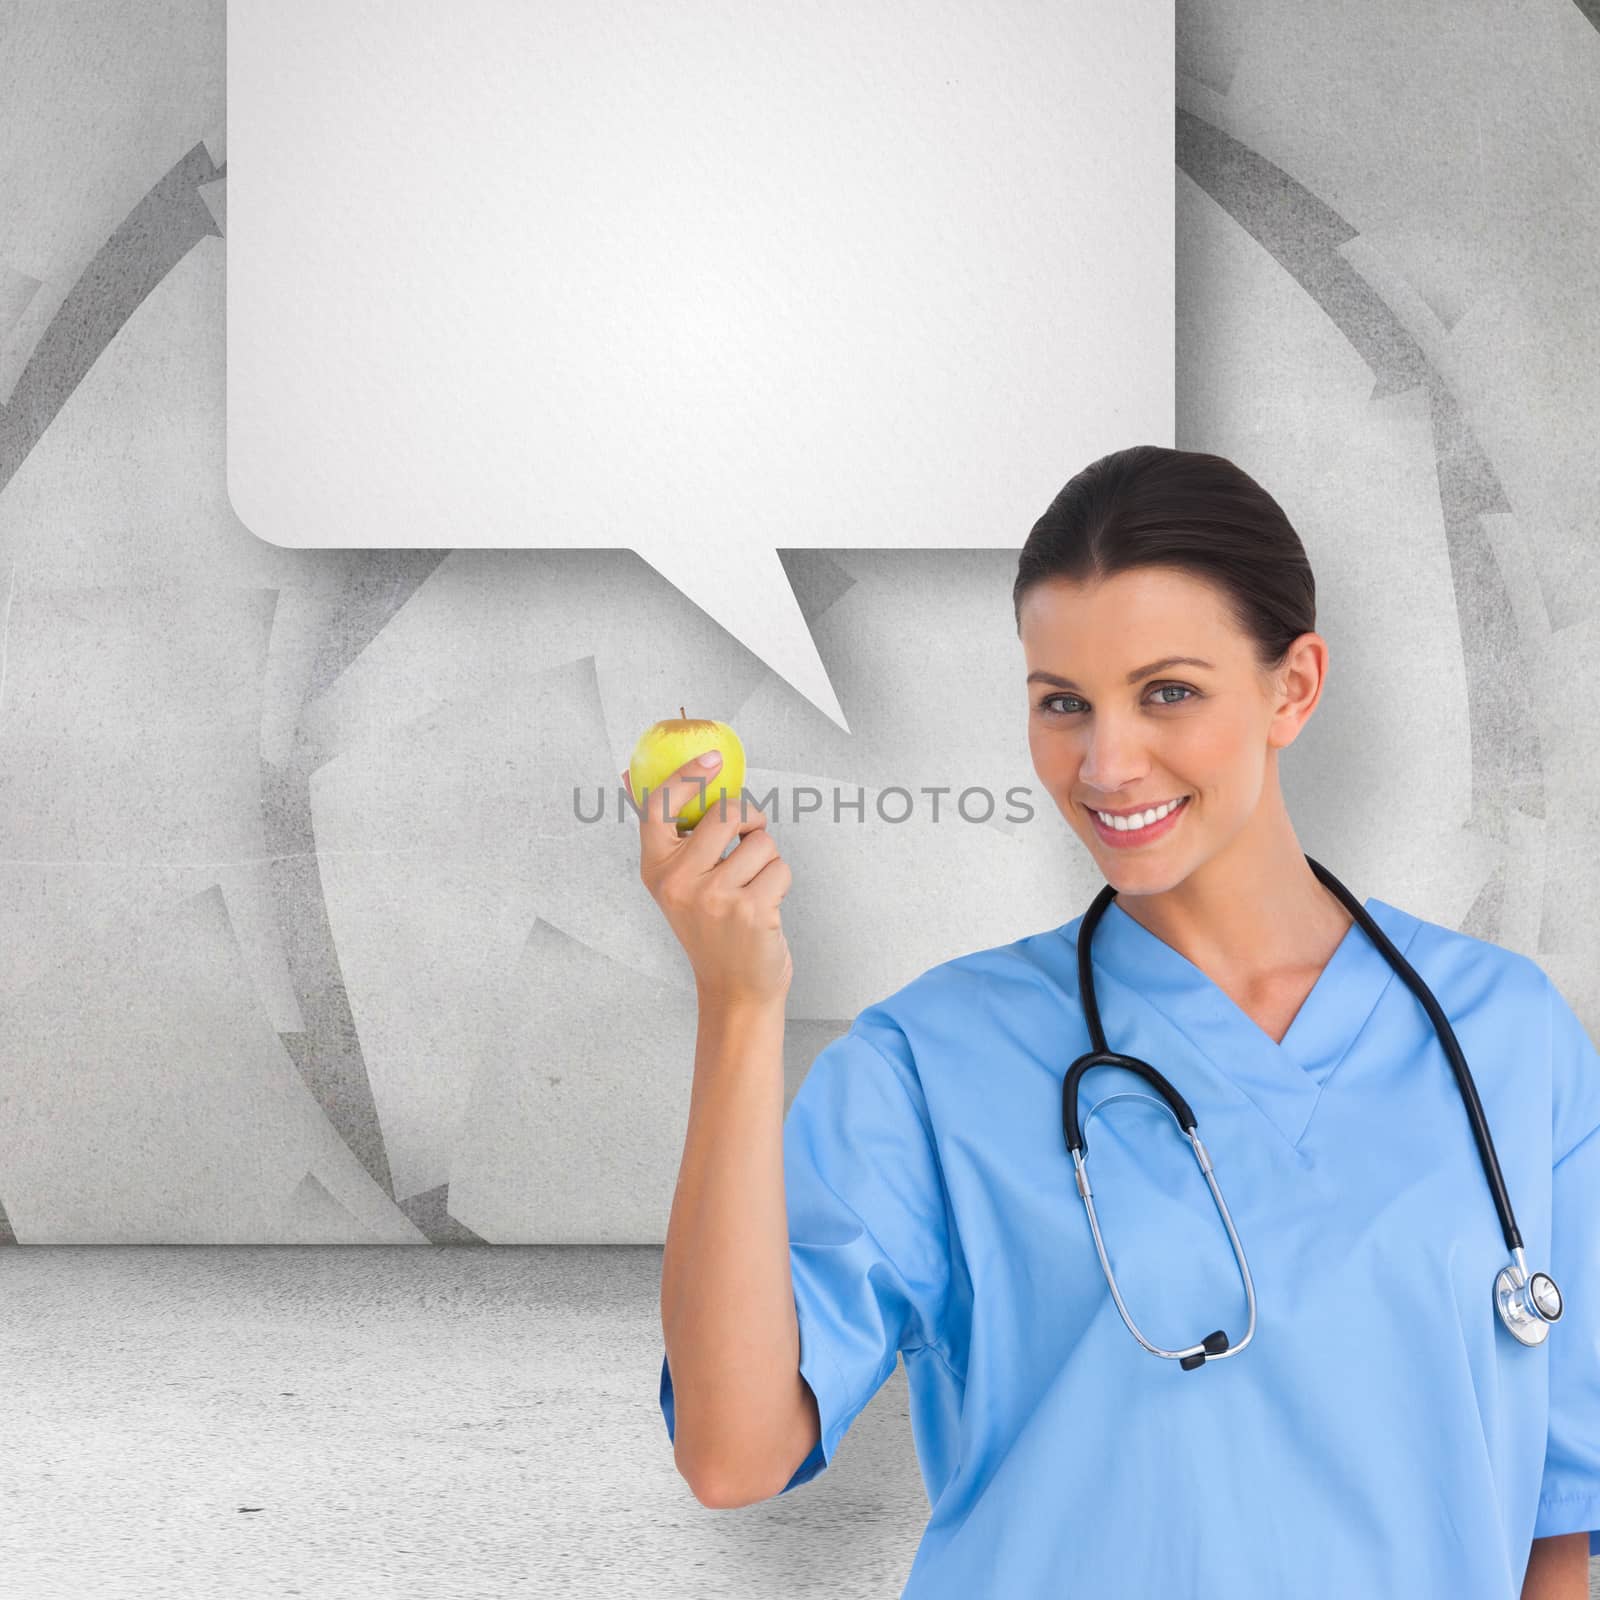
[(1467, 962), (1528, 1008), (968, 992), (1025, 960)]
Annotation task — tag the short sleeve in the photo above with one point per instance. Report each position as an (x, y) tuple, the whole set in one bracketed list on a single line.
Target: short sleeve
[(869, 1250), (1569, 1498)]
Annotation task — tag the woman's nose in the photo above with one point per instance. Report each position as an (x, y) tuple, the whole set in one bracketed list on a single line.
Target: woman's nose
[(1111, 760)]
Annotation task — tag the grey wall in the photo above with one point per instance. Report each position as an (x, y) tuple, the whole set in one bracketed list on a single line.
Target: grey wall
[(303, 943)]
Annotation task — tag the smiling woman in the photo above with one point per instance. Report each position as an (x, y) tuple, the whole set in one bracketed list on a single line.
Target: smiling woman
[(1383, 1420)]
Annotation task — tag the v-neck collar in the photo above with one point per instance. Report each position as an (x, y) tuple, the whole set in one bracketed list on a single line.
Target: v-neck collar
[(1284, 1079)]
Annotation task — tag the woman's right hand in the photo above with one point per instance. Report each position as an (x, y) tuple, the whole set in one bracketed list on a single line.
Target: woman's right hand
[(723, 912)]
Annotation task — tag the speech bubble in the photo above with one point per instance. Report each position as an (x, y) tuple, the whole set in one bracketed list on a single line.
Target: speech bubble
[(701, 280)]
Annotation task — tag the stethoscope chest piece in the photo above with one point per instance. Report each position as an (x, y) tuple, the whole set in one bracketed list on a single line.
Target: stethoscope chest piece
[(1527, 1305)]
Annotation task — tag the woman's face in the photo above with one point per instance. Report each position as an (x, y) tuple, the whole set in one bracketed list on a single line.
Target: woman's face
[(1114, 725)]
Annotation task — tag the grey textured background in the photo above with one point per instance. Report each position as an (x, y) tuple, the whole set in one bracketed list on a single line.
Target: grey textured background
[(304, 945)]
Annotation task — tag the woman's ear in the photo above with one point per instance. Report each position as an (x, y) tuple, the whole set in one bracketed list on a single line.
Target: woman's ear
[(1297, 687)]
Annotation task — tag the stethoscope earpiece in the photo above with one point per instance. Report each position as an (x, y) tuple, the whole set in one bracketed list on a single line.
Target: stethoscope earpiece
[(1214, 1344)]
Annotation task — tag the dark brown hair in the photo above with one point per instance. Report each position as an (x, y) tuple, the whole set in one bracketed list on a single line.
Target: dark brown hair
[(1150, 506)]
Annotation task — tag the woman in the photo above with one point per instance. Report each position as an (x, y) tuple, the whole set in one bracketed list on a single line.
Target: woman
[(1381, 1434)]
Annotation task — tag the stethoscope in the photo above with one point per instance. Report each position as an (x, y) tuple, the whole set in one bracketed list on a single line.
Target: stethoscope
[(1527, 1304)]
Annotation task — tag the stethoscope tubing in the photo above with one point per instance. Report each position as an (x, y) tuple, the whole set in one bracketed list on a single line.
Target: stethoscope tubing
[(1452, 1050), (1100, 1055)]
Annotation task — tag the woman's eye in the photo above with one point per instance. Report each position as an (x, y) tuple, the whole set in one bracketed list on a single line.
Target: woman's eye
[(1050, 702)]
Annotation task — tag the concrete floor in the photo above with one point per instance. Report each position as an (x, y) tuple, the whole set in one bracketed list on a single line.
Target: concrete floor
[(430, 1422), (354, 1422)]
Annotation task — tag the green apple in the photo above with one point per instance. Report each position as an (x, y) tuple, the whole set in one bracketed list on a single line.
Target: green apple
[(665, 746)]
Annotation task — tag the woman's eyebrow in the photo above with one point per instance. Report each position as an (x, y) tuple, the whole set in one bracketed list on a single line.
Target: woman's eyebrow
[(1133, 677)]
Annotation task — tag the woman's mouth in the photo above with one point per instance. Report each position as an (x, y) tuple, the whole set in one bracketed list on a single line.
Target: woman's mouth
[(1125, 838)]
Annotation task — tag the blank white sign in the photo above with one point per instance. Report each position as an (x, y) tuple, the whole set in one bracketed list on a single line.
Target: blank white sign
[(698, 279)]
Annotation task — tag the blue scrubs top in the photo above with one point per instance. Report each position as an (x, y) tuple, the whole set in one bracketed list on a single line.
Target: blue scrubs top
[(1383, 1434)]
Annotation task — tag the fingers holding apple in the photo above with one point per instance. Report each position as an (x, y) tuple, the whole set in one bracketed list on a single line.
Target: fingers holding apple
[(668, 748), (724, 911), (660, 804)]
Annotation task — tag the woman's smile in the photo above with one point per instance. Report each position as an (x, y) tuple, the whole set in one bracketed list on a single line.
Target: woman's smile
[(1125, 838)]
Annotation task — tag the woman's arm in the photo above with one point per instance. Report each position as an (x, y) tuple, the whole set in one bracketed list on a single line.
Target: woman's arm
[(1558, 1568), (741, 1407), (727, 1298)]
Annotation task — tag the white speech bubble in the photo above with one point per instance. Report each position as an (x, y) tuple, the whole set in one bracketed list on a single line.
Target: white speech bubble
[(701, 280)]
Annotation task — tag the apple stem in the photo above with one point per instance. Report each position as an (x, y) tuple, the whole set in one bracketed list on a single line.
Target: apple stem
[(682, 713)]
